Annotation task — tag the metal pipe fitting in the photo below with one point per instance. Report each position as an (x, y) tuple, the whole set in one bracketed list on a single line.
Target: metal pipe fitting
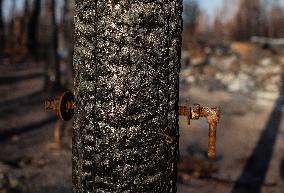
[(62, 105), (211, 114)]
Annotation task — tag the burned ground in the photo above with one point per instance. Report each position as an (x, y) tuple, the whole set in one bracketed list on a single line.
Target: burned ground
[(250, 149)]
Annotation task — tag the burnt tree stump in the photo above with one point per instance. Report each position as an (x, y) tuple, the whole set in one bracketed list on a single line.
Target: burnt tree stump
[(126, 63)]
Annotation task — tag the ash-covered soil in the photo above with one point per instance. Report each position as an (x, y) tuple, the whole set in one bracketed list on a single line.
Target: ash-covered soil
[(25, 132)]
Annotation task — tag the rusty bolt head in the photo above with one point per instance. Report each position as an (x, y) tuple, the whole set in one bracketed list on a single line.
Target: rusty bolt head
[(48, 104), (195, 112)]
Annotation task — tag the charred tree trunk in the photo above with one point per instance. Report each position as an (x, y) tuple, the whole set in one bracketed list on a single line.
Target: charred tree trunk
[(68, 34), (10, 29), (126, 61), (2, 30), (25, 22), (33, 26), (26, 13), (54, 47), (53, 67)]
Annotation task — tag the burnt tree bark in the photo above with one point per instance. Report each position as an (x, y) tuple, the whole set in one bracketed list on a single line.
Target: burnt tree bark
[(126, 62), (33, 26), (25, 22), (53, 66), (2, 31), (68, 32)]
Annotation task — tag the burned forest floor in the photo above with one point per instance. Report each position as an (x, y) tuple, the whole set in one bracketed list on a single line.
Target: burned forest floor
[(250, 140), (25, 132)]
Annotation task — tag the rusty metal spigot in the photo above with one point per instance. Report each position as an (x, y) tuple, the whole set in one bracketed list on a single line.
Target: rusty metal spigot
[(62, 105), (211, 114)]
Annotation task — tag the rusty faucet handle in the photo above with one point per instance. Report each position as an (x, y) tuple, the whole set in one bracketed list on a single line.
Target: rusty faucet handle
[(62, 105), (211, 114)]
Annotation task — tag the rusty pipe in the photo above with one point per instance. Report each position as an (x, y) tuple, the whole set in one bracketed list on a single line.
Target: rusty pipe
[(211, 114)]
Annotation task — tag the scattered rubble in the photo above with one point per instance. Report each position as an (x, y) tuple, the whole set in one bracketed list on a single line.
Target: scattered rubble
[(268, 42), (193, 167), (11, 185), (246, 69)]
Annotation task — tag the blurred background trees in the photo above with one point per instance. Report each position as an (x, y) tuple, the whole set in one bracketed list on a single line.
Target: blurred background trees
[(39, 31), (42, 30), (191, 14), (2, 39), (32, 24), (235, 20)]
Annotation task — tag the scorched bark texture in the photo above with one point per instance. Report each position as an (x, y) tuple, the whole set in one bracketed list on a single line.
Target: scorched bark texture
[(126, 62)]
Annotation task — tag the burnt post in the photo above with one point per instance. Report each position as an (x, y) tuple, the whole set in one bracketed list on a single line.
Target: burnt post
[(52, 46), (126, 63), (33, 26), (2, 29)]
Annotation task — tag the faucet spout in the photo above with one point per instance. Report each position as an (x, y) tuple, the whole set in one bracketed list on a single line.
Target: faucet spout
[(211, 114)]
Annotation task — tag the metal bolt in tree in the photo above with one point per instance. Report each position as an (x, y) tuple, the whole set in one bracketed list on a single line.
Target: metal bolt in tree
[(126, 62)]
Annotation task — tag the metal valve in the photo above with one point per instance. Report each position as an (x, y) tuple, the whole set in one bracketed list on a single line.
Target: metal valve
[(211, 114), (63, 105)]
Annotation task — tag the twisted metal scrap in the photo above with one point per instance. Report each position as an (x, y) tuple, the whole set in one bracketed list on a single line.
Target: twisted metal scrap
[(126, 61)]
